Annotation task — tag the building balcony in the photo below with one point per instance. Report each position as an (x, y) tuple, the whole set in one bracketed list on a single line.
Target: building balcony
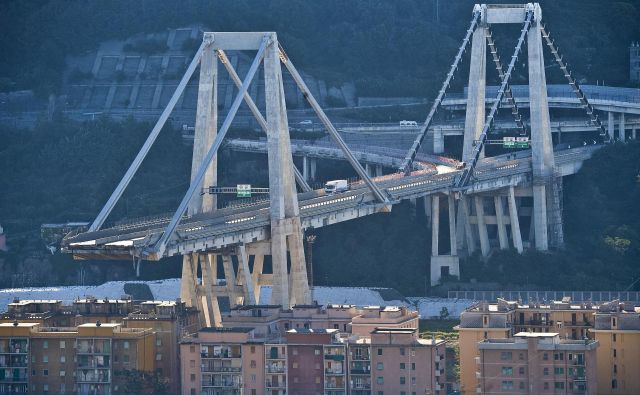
[(220, 369), (334, 357), (275, 385), (360, 371), (332, 372), (221, 384), (14, 379), (205, 355), (578, 324), (276, 369), (361, 386)]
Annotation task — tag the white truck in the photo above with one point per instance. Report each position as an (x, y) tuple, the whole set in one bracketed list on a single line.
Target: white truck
[(336, 186)]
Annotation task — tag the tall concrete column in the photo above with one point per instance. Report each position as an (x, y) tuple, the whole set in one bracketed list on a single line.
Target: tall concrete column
[(230, 280), (367, 168), (502, 229), (313, 168), (305, 168), (209, 265), (438, 141), (452, 224), (378, 170), (633, 133), (205, 128), (190, 287), (542, 148), (258, 263), (515, 221), (435, 224), (475, 115), (467, 230), (247, 283), (610, 125), (621, 131), (427, 208), (286, 229), (482, 227)]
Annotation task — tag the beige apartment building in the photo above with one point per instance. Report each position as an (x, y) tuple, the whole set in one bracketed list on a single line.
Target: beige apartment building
[(82, 360), (503, 319), (165, 321), (537, 363), (617, 329), (267, 350)]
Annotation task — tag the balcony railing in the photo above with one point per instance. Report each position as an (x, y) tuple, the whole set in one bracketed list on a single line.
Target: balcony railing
[(220, 369)]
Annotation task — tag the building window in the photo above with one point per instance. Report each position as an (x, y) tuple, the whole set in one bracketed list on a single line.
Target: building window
[(402, 380), (63, 359), (521, 370), (192, 363), (317, 365), (62, 344), (126, 345), (401, 350), (45, 372), (559, 385), (63, 388), (521, 356), (545, 356), (413, 380), (380, 392), (253, 391), (253, 349), (402, 365), (295, 365), (336, 326), (192, 348), (380, 366), (33, 372), (546, 371), (558, 370), (158, 357), (317, 379), (379, 351), (158, 342), (413, 353), (380, 380), (125, 358), (615, 353), (614, 383), (507, 371), (253, 364), (45, 388), (559, 356), (413, 366), (45, 344), (521, 385), (62, 373), (193, 391), (317, 351), (614, 337), (507, 385), (506, 356), (253, 378), (546, 385), (192, 377)]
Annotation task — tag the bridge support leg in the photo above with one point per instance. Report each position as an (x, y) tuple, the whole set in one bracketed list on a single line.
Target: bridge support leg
[(189, 287), (435, 224), (482, 227), (621, 131), (313, 163), (633, 133), (247, 283), (367, 168), (209, 265), (502, 229), (305, 168), (286, 229), (515, 221), (427, 209), (378, 170), (610, 125), (258, 263), (438, 141), (205, 130), (230, 280), (452, 225), (475, 115), (541, 144), (468, 231)]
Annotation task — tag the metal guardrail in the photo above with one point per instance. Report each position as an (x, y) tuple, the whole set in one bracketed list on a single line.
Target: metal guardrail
[(527, 296)]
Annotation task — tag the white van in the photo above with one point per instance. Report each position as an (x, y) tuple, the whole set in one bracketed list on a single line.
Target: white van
[(408, 123)]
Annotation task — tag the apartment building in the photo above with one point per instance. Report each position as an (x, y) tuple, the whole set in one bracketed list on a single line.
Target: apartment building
[(537, 363), (168, 321), (279, 352), (502, 319), (83, 360), (617, 329)]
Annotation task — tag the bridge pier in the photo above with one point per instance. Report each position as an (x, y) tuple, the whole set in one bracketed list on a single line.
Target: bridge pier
[(313, 163), (379, 170), (438, 141), (485, 247), (502, 229), (443, 265), (622, 131), (610, 125), (516, 236)]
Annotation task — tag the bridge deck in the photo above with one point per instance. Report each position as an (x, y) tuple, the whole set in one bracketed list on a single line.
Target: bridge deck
[(231, 226)]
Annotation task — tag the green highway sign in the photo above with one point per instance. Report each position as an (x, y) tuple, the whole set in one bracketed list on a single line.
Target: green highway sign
[(515, 142), (244, 190)]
